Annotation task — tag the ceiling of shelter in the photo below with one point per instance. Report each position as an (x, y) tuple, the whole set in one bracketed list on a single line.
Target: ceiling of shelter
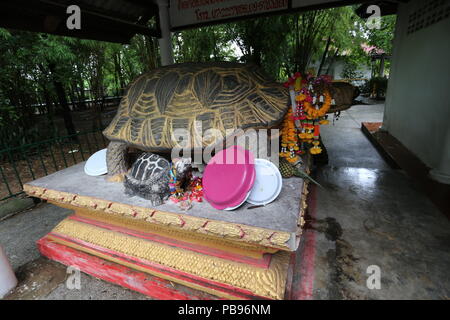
[(106, 20), (120, 20), (387, 8)]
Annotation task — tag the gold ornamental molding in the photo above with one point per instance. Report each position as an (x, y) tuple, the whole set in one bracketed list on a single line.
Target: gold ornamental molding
[(241, 248), (238, 233), (264, 282)]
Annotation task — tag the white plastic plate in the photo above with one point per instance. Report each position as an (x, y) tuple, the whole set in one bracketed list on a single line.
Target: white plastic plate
[(231, 209), (267, 185), (96, 164)]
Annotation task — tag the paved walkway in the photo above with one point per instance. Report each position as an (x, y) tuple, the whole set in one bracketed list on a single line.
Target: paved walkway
[(371, 215)]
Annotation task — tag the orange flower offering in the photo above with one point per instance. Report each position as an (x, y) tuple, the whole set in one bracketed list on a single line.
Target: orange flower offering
[(301, 127), (289, 141)]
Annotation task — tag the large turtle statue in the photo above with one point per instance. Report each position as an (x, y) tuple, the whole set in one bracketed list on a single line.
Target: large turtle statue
[(221, 95)]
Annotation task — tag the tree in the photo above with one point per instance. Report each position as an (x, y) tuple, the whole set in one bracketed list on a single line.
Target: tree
[(203, 44), (344, 36), (382, 38), (56, 55), (54, 76), (261, 41)]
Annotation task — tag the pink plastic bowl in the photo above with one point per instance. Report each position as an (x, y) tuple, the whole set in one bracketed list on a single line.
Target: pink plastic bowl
[(228, 177)]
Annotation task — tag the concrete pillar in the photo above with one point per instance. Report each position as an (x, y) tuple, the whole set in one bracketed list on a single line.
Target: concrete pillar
[(391, 89), (165, 42)]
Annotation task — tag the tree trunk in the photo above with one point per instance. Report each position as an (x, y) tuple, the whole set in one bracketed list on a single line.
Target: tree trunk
[(48, 102), (81, 95), (382, 63), (118, 74), (256, 56), (332, 60), (59, 88), (73, 98), (324, 57)]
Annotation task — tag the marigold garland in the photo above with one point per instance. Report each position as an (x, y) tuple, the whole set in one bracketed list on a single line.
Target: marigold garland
[(301, 126), (289, 141), (317, 113)]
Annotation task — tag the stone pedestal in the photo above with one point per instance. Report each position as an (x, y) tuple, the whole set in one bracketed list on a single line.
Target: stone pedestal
[(241, 254)]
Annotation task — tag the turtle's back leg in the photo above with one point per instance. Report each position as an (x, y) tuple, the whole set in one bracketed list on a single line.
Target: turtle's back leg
[(116, 160)]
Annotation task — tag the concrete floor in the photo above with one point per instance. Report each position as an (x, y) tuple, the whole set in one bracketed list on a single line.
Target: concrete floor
[(367, 215), (40, 278), (370, 215)]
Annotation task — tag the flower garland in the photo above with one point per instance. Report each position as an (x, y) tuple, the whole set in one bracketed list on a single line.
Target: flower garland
[(317, 113), (289, 141), (307, 114)]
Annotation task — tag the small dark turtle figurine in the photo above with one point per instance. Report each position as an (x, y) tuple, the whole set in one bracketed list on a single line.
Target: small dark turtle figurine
[(149, 176)]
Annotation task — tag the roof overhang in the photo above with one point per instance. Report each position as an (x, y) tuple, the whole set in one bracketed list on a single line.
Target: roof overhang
[(119, 20), (104, 20), (386, 8)]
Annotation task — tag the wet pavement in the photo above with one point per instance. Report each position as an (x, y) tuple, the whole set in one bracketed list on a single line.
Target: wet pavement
[(372, 215)]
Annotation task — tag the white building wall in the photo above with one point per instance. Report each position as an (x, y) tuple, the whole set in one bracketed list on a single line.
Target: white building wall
[(338, 67), (417, 108)]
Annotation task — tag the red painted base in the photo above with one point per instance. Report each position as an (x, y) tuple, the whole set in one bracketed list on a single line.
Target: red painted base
[(144, 283)]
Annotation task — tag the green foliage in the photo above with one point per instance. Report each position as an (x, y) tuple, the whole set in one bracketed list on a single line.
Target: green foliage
[(383, 38), (203, 44), (33, 65), (261, 41), (281, 45), (350, 71), (376, 87), (4, 34)]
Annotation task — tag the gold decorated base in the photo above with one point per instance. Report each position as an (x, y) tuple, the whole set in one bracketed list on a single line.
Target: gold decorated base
[(213, 267)]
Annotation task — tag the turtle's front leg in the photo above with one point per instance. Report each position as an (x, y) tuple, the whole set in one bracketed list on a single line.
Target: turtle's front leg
[(156, 199), (116, 161)]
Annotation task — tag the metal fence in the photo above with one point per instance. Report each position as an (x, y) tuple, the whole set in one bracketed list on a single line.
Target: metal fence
[(19, 165)]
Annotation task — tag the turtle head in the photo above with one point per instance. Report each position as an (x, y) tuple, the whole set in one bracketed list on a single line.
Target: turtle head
[(182, 166)]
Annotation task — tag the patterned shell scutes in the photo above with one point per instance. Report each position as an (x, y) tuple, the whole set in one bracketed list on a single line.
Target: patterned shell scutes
[(148, 165), (223, 96)]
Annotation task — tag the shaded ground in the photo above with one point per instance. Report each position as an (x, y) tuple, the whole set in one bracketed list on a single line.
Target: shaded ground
[(18, 234), (40, 278)]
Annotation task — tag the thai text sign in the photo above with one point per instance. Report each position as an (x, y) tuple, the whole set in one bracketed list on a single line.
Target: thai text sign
[(196, 12)]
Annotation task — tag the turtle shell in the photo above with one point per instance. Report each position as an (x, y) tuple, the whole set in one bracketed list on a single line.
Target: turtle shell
[(197, 97), (147, 165)]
